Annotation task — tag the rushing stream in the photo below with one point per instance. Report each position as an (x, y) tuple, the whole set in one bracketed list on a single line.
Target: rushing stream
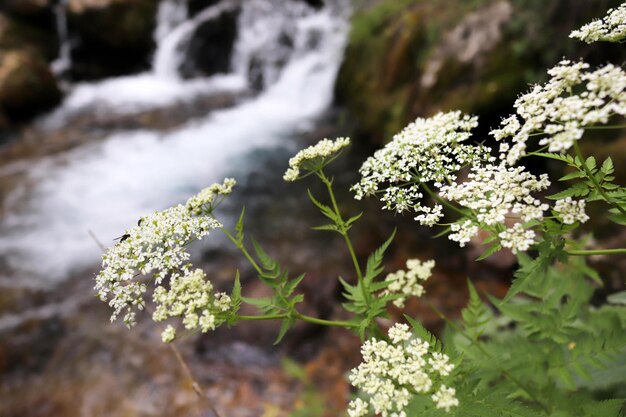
[(101, 188)]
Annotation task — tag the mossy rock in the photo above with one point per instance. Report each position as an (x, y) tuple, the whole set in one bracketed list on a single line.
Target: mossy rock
[(27, 87), (115, 36), (392, 42)]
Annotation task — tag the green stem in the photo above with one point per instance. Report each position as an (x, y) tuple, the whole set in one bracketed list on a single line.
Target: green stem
[(303, 317), (344, 233), (263, 317), (243, 250), (315, 320), (440, 200), (595, 181), (597, 252)]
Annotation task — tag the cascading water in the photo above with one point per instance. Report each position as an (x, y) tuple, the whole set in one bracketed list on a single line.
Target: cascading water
[(104, 187), (64, 60)]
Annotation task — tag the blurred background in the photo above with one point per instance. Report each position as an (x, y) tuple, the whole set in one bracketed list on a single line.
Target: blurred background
[(112, 109)]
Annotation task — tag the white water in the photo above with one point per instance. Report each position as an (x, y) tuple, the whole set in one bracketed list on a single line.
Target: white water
[(105, 187), (64, 61)]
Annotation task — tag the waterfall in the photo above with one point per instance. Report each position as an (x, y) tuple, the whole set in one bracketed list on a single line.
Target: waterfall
[(104, 187), (64, 61)]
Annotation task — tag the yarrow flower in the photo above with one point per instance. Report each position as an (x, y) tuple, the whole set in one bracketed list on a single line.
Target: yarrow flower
[(559, 111), (191, 297), (314, 157), (611, 28), (427, 150), (408, 283), (390, 370), (206, 200), (571, 211)]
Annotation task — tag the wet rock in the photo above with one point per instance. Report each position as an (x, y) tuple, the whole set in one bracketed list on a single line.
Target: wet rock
[(211, 45), (114, 36), (195, 6), (27, 86)]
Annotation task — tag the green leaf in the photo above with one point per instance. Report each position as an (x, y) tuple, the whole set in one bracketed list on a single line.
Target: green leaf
[(239, 226), (285, 325), (353, 219), (326, 211), (607, 166), (329, 227), (235, 295), (260, 303), (493, 249), (420, 331), (573, 175), (617, 298), (266, 261), (373, 268), (476, 316)]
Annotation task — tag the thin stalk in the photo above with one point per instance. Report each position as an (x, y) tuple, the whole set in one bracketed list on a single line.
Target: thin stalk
[(345, 235), (243, 250), (597, 252), (441, 200), (605, 127), (595, 181), (300, 316)]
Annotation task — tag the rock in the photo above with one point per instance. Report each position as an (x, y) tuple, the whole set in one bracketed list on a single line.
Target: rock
[(35, 11), (405, 60), (15, 33), (196, 6), (115, 36), (27, 86), (211, 45)]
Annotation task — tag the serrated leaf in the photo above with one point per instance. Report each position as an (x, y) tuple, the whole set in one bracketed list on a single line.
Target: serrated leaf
[(327, 227), (285, 325), (607, 166), (373, 268), (573, 175), (326, 211), (353, 219), (260, 303), (235, 295), (266, 261), (420, 331), (493, 249), (239, 226)]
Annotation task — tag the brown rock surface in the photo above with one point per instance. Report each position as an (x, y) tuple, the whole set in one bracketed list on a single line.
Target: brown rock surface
[(26, 84)]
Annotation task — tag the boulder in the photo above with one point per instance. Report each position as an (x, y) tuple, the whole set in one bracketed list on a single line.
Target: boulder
[(27, 86), (115, 37), (210, 47), (16, 33), (39, 12)]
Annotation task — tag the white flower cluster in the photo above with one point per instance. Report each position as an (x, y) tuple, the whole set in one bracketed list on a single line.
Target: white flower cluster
[(191, 297), (611, 28), (427, 150), (493, 192), (314, 157), (206, 200), (390, 370), (408, 283), (571, 211), (156, 246), (573, 99)]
